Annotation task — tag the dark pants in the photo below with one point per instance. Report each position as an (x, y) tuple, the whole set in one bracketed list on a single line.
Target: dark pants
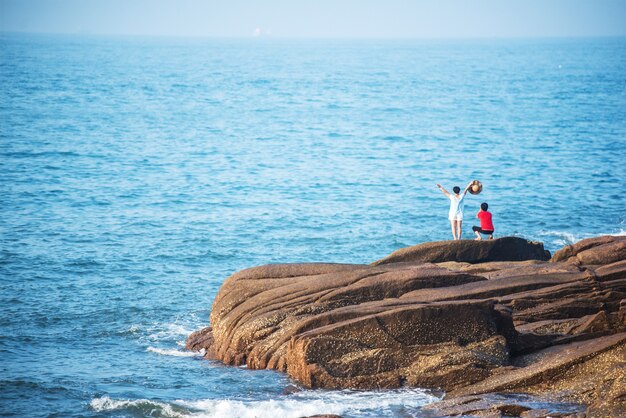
[(481, 231)]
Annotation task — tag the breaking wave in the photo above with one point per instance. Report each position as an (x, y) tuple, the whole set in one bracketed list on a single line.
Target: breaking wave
[(402, 402), (176, 353), (142, 407)]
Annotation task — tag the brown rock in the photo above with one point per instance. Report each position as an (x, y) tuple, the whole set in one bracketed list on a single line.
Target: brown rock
[(501, 249), (202, 341), (545, 365), (489, 266), (594, 251), (502, 405), (591, 323), (256, 330), (441, 345), (611, 271), (597, 380), (510, 323)]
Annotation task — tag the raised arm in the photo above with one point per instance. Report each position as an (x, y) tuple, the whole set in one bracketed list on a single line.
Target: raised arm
[(468, 187), (443, 190)]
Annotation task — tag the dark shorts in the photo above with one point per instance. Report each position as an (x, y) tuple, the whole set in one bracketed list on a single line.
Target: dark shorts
[(481, 231)]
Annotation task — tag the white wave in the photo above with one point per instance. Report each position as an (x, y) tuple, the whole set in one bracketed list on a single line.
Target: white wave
[(147, 407), (170, 330), (306, 403), (563, 238), (176, 353)]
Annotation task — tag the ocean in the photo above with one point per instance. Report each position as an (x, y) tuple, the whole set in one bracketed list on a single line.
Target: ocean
[(137, 174)]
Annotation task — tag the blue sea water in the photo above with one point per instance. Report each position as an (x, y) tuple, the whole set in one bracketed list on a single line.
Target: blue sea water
[(136, 174)]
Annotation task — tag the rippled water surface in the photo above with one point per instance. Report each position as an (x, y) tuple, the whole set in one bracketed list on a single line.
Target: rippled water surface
[(137, 174)]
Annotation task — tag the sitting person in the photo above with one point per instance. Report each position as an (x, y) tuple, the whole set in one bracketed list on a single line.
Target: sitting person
[(486, 224)]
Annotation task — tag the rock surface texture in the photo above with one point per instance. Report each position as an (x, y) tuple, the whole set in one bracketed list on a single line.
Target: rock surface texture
[(473, 318)]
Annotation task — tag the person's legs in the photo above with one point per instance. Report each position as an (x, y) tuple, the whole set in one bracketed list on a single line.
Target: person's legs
[(459, 230), (476, 230), (453, 225)]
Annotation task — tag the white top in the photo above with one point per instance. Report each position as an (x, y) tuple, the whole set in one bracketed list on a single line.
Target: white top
[(456, 207)]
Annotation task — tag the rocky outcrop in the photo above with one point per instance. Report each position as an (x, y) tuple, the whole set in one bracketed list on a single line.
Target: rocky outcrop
[(502, 249), (570, 379), (594, 251), (468, 317)]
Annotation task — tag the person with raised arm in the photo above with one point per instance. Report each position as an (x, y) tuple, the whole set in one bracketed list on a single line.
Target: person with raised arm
[(457, 202)]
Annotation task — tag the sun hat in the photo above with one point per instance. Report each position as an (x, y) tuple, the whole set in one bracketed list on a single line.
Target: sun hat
[(476, 187)]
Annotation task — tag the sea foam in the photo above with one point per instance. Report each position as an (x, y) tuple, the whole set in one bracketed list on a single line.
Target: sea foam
[(406, 402), (310, 402), (142, 406), (176, 353)]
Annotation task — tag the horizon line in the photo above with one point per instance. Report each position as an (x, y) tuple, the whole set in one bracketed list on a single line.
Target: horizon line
[(285, 38)]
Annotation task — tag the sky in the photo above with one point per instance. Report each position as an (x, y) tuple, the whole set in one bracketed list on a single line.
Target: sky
[(319, 18)]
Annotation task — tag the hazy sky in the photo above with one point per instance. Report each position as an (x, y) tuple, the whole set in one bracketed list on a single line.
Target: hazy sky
[(319, 18)]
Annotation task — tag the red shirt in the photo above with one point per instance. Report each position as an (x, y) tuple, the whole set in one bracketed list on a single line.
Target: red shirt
[(485, 220)]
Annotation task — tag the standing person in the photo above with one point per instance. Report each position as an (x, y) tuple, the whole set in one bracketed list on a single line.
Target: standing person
[(486, 223), (457, 202)]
